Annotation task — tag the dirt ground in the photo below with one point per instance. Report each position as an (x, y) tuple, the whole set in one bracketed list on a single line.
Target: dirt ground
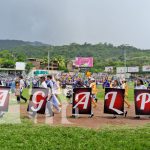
[(99, 119)]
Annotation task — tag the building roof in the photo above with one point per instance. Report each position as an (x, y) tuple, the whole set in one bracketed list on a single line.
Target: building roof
[(10, 69)]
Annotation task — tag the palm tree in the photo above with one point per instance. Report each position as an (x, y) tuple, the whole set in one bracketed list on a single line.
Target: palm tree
[(60, 60), (44, 62)]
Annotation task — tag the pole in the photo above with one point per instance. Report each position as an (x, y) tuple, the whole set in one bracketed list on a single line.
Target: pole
[(125, 59), (48, 60)]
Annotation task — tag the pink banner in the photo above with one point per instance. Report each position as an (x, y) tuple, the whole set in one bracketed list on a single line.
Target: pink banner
[(84, 61)]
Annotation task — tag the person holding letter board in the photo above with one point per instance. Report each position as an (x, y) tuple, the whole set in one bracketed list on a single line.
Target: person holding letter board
[(114, 100), (41, 99), (142, 102), (125, 86), (94, 91)]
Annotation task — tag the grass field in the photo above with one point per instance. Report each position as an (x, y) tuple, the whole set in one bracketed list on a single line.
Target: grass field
[(29, 136)]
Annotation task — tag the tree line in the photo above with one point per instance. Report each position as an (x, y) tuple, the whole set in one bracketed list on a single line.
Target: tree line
[(104, 54)]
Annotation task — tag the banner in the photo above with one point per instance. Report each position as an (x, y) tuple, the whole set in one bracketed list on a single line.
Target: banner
[(81, 101), (4, 98), (123, 76), (121, 69), (114, 101), (40, 72), (109, 69), (133, 69), (20, 65), (146, 68), (142, 102), (38, 100), (84, 62)]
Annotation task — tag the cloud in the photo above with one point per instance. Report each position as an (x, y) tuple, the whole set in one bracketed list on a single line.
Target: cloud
[(65, 21)]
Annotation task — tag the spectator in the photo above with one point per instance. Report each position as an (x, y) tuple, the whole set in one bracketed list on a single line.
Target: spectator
[(106, 83)]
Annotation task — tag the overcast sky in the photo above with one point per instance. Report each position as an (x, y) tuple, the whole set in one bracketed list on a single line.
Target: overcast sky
[(61, 22)]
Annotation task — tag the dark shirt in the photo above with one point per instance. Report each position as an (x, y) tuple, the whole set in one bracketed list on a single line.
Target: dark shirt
[(106, 84)]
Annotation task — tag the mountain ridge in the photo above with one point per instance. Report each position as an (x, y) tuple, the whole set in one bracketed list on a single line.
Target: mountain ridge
[(7, 43)]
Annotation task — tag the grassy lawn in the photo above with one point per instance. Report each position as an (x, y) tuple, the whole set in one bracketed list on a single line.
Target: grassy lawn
[(29, 136)]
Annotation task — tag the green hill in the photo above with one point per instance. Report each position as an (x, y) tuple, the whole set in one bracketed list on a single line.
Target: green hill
[(104, 54), (8, 44)]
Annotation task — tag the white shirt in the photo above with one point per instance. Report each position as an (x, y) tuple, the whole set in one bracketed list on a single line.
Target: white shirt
[(21, 83), (44, 85), (140, 87), (116, 87), (123, 85)]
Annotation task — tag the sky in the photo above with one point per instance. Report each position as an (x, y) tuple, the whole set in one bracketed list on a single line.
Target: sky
[(59, 22)]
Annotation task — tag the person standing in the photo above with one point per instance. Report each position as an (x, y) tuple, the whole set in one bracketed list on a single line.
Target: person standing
[(1, 112), (117, 86), (20, 85), (125, 86), (43, 82), (13, 86), (94, 91), (48, 104), (106, 83), (57, 90), (52, 86), (17, 91), (0, 83), (35, 82), (139, 84)]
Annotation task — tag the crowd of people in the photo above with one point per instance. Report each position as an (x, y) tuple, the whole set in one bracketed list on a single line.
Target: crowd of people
[(55, 83)]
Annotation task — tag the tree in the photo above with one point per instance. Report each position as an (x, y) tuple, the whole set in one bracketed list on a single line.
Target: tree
[(6, 54), (29, 66), (8, 64), (20, 57), (61, 62)]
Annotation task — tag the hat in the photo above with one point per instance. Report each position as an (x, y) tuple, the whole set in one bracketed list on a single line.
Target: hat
[(92, 79)]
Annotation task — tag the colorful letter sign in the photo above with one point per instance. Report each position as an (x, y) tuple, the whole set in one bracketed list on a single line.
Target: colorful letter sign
[(114, 101), (142, 102), (81, 101), (38, 100), (4, 98)]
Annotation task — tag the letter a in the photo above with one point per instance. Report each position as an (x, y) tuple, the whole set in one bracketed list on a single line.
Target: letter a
[(86, 97)]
